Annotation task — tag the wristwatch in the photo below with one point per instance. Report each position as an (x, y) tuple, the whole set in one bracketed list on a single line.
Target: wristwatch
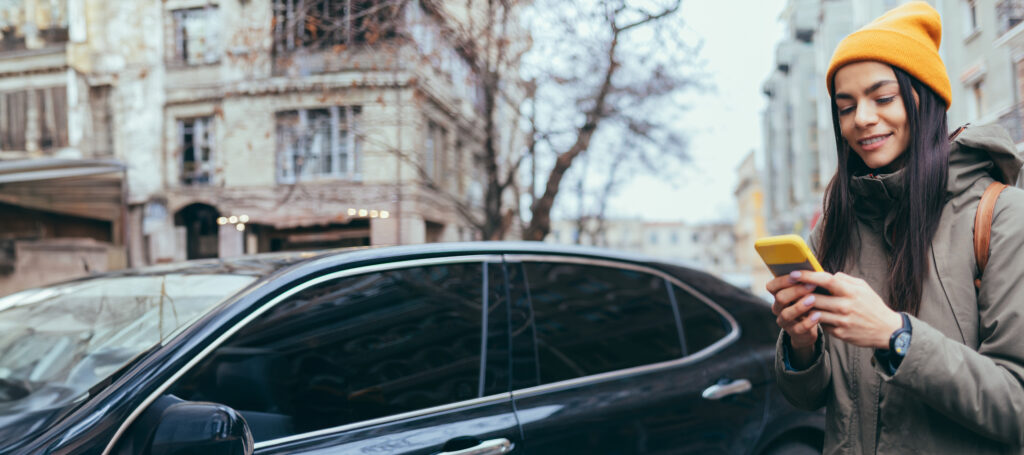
[(899, 341)]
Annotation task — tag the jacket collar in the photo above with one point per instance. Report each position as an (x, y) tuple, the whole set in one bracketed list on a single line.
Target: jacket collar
[(874, 197)]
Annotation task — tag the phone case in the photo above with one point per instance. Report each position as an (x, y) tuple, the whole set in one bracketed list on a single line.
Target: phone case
[(786, 253)]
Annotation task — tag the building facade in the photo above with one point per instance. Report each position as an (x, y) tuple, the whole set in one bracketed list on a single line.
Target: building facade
[(750, 224), (249, 126)]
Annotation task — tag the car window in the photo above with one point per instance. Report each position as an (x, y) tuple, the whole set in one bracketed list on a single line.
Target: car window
[(592, 319), (351, 349), (702, 325)]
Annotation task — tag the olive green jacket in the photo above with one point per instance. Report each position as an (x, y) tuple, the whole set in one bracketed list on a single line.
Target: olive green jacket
[(960, 388)]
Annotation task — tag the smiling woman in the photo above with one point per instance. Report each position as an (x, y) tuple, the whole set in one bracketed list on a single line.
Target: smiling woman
[(872, 117), (904, 352)]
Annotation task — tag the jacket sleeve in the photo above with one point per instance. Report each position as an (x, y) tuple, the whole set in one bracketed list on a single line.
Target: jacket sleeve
[(805, 388), (984, 389)]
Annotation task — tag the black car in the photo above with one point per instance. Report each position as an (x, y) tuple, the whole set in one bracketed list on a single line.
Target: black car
[(466, 348)]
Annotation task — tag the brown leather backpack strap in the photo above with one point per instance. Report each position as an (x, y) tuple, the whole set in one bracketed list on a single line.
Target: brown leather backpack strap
[(983, 227)]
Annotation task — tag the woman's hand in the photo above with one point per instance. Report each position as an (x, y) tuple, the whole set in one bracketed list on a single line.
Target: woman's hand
[(793, 301), (853, 313)]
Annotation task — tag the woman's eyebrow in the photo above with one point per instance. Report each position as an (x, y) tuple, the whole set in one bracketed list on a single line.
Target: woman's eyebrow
[(872, 88)]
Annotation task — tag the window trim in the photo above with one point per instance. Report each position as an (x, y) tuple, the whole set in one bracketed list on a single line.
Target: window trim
[(687, 359), (270, 304)]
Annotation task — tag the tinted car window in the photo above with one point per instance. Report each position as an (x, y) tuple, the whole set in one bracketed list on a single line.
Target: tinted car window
[(352, 349), (593, 319), (702, 325)]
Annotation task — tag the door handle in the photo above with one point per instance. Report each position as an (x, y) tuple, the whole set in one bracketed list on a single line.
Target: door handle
[(490, 447), (724, 389)]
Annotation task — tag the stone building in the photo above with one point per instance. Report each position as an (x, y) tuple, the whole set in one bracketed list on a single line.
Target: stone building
[(248, 126)]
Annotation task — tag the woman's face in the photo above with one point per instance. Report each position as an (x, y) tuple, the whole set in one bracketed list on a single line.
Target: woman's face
[(872, 117)]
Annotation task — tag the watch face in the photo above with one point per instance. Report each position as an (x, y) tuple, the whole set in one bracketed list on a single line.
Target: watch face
[(902, 343)]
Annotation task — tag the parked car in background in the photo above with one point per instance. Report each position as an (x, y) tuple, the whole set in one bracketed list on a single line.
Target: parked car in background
[(450, 348)]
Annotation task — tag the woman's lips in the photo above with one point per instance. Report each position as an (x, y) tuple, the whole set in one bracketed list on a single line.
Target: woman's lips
[(874, 142)]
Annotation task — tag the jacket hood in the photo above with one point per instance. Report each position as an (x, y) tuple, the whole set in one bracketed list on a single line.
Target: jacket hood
[(980, 151)]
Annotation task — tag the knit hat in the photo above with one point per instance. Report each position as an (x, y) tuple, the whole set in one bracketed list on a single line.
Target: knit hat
[(906, 37)]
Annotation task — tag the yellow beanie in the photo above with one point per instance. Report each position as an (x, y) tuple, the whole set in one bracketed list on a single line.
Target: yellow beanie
[(906, 37)]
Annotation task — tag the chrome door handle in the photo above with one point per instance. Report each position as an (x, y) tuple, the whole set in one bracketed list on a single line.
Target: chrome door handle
[(491, 447), (719, 391)]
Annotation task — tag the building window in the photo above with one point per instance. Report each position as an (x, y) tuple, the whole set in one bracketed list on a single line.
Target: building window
[(1009, 13), (322, 24), (315, 143), (196, 37), (47, 24), (195, 137), (970, 17), (975, 107), (32, 120), (434, 151)]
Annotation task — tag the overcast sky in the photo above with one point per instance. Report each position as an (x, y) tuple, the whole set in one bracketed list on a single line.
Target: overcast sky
[(724, 125)]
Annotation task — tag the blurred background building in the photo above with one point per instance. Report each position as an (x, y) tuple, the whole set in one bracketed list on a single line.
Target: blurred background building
[(243, 126)]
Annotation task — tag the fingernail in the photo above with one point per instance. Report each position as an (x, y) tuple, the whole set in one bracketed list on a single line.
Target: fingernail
[(815, 317), (794, 274), (809, 301), (809, 287)]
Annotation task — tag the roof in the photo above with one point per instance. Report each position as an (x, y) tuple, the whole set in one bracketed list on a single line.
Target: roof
[(32, 170)]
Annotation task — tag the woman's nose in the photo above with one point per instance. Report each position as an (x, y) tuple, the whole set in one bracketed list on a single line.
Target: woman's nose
[(865, 116)]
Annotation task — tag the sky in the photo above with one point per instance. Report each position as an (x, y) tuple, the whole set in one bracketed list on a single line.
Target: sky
[(724, 124)]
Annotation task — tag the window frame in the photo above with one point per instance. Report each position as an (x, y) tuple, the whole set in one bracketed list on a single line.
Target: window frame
[(206, 126), (686, 359), (344, 120), (178, 48), (266, 306)]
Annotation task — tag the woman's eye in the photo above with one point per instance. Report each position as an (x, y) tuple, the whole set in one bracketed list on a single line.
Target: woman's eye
[(846, 110), (886, 100)]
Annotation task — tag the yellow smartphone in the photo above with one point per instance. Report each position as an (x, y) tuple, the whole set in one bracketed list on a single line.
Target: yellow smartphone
[(786, 253)]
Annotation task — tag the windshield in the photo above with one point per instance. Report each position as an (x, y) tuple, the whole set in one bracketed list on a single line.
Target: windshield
[(58, 342)]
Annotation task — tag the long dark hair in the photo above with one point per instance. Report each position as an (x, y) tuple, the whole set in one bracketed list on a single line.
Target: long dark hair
[(918, 208)]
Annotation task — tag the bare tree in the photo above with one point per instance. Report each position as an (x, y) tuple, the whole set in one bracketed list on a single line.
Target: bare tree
[(592, 68), (617, 68)]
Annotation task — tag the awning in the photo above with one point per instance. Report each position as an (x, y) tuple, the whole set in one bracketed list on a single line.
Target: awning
[(84, 188)]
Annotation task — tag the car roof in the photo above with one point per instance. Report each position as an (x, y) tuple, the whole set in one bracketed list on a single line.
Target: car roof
[(267, 264)]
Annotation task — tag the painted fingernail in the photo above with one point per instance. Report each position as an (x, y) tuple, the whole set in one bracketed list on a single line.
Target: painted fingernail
[(809, 287), (809, 301), (794, 274), (815, 317)]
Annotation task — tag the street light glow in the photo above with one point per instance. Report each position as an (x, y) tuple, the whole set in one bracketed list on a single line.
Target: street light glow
[(240, 226), (232, 219), (384, 214), (243, 218)]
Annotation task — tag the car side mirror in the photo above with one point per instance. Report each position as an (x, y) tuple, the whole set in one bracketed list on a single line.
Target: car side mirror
[(193, 428)]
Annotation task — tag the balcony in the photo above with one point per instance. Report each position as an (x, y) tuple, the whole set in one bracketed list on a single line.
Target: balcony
[(1013, 121), (1009, 13)]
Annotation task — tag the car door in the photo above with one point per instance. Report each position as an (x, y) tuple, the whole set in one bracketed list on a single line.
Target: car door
[(614, 372), (407, 358)]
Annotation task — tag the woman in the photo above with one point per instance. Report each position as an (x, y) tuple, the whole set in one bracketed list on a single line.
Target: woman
[(903, 352)]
